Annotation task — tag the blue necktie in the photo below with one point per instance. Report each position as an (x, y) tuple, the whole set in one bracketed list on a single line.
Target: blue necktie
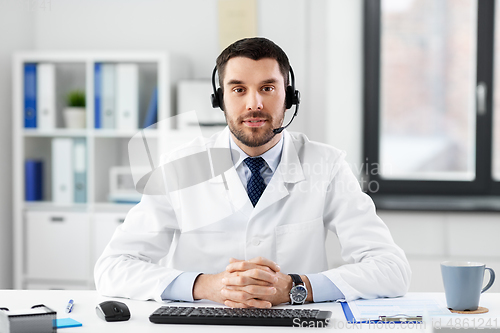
[(256, 184)]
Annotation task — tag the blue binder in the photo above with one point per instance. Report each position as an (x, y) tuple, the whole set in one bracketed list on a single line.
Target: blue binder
[(152, 113), (97, 94), (33, 179), (30, 95)]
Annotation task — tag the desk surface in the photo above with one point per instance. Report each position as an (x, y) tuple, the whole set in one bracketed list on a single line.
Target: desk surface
[(86, 301)]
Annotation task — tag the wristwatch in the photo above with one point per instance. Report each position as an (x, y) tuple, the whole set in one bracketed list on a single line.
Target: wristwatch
[(298, 293)]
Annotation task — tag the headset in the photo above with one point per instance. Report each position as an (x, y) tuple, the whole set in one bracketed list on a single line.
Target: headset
[(292, 97)]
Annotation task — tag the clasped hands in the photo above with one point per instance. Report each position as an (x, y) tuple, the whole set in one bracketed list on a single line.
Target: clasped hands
[(254, 283)]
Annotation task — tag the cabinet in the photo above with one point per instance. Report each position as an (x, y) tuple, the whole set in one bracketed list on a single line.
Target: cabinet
[(56, 243), (57, 246)]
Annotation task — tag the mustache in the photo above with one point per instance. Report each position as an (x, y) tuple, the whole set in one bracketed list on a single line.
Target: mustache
[(254, 114)]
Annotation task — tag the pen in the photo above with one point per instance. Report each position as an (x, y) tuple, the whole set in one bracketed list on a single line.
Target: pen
[(400, 318), (69, 307)]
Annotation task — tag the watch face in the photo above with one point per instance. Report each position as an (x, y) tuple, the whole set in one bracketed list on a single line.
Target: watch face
[(299, 294)]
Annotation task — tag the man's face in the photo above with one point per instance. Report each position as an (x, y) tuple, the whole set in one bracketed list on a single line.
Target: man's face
[(254, 99)]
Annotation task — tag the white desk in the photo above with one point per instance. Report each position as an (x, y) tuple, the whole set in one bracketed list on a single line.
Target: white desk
[(86, 301)]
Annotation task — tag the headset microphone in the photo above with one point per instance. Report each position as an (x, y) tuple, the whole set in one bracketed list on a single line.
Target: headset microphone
[(292, 97), (280, 129)]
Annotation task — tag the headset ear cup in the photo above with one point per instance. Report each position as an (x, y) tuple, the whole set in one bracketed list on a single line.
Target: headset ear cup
[(296, 97), (289, 97), (220, 98), (215, 101)]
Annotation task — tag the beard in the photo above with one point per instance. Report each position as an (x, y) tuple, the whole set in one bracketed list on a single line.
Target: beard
[(254, 137)]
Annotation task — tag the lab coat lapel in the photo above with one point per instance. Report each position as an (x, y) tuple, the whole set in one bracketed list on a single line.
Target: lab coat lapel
[(289, 171), (236, 192)]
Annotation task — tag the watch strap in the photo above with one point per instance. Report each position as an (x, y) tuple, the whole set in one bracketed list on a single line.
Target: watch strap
[(296, 279)]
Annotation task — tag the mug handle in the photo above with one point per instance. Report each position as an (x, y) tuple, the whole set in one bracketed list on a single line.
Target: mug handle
[(492, 279)]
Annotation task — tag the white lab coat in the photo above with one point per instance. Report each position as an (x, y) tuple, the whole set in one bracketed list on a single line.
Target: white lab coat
[(198, 229)]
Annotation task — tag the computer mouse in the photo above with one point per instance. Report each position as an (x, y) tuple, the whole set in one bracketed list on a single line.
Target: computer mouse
[(113, 311)]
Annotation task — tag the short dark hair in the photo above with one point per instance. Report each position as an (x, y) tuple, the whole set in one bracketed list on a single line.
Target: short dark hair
[(255, 48)]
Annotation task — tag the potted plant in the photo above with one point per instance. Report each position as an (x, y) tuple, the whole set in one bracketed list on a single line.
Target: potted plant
[(74, 113)]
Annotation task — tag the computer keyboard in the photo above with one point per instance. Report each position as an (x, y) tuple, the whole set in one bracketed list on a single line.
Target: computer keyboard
[(233, 316)]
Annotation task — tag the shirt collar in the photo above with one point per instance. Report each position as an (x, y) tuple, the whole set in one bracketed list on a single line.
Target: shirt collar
[(272, 156)]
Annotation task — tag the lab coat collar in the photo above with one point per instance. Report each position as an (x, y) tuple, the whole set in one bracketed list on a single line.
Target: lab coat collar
[(289, 168), (289, 171), (272, 156), (222, 141)]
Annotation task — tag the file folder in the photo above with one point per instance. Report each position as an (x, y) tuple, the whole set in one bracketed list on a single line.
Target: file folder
[(108, 96), (127, 100), (97, 94), (46, 96), (409, 308), (62, 171), (80, 167), (30, 95), (396, 319), (33, 179), (152, 112)]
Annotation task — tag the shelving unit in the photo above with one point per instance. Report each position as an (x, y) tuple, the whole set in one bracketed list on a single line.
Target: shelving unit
[(55, 246)]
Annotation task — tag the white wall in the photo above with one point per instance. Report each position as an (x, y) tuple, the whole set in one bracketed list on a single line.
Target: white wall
[(429, 238), (344, 78), (16, 21), (187, 28), (190, 29)]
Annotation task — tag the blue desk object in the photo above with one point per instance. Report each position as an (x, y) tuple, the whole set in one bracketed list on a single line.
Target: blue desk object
[(67, 322)]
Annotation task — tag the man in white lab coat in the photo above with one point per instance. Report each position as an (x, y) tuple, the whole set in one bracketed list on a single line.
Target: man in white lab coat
[(254, 236)]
